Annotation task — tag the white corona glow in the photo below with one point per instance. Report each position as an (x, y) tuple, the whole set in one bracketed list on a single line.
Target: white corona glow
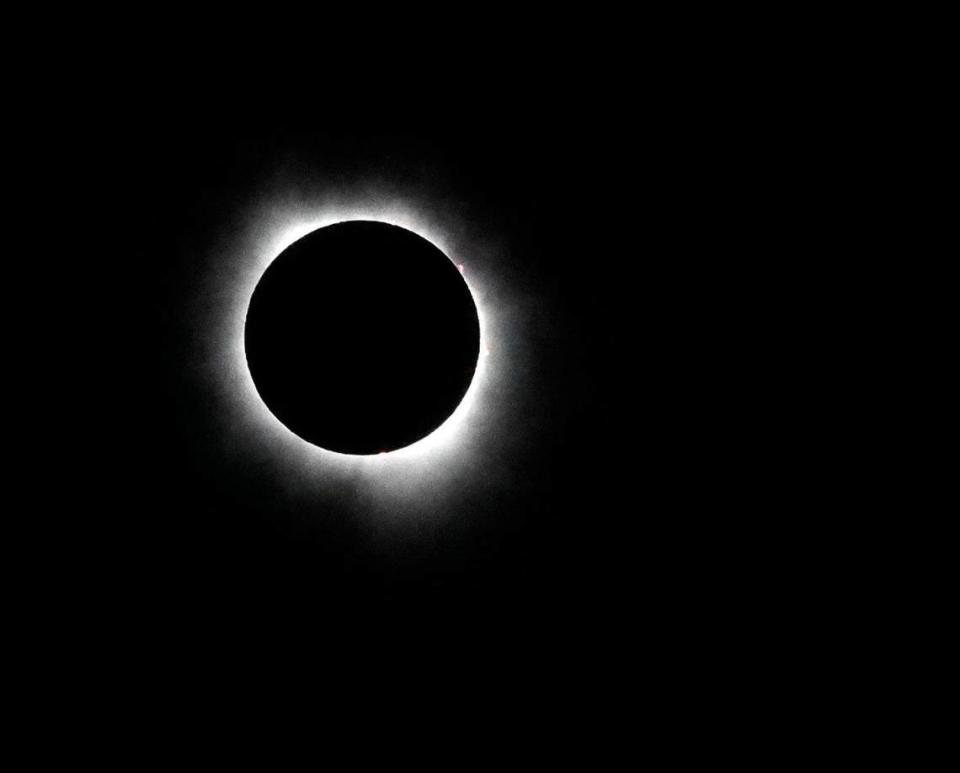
[(407, 469), (470, 455)]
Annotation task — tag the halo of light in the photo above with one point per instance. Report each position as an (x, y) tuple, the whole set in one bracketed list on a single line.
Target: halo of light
[(464, 457)]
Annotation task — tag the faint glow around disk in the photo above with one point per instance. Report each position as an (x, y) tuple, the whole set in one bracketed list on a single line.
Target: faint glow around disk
[(451, 439)]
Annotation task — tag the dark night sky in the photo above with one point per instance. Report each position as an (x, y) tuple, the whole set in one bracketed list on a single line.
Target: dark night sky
[(568, 538), (207, 533), (647, 514)]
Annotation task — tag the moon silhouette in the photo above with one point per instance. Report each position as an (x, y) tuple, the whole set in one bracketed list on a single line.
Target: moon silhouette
[(362, 337)]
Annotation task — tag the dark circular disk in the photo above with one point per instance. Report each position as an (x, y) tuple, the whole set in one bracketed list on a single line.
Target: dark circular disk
[(362, 337)]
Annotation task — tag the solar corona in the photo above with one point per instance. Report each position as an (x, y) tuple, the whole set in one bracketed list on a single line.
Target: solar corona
[(423, 411)]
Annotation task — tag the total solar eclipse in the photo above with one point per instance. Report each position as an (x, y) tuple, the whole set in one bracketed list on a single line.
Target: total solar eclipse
[(362, 337)]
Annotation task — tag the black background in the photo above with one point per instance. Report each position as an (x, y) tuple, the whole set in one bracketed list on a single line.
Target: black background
[(656, 533), (204, 545), (604, 526)]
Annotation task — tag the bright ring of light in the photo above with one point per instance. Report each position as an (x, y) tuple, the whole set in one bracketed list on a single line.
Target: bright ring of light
[(464, 457)]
